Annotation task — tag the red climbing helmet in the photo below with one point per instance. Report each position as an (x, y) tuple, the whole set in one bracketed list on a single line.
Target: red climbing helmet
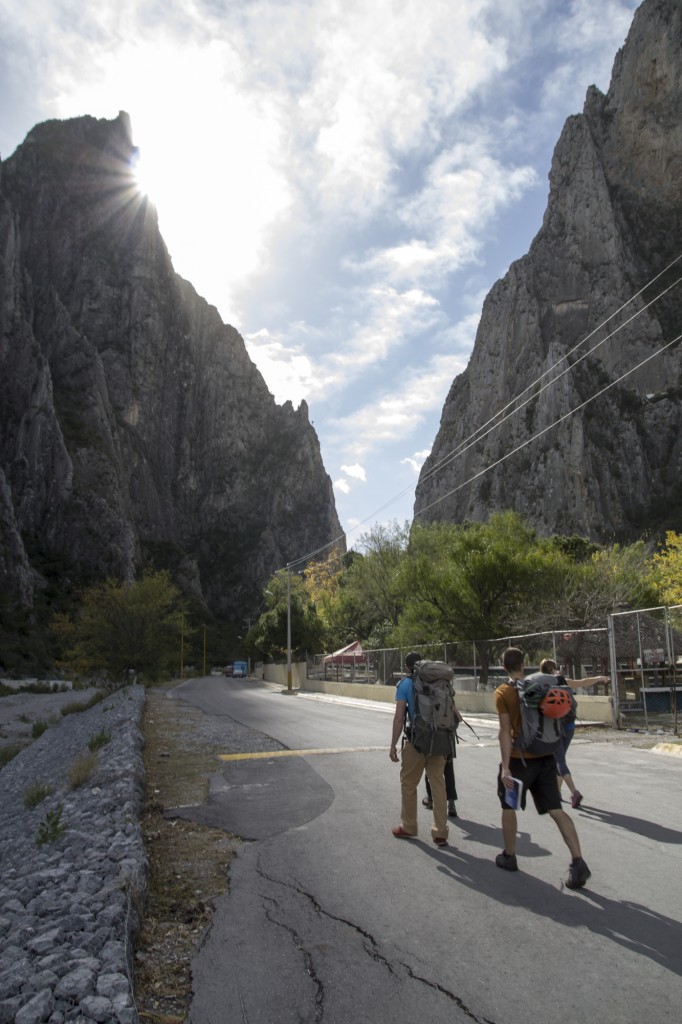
[(557, 702)]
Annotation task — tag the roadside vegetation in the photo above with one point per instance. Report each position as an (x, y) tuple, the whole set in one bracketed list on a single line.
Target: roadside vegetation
[(401, 586), (469, 582)]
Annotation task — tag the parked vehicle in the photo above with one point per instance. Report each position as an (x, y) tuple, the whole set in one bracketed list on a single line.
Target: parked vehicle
[(229, 669)]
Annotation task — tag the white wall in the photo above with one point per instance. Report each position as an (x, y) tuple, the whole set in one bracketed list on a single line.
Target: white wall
[(590, 709)]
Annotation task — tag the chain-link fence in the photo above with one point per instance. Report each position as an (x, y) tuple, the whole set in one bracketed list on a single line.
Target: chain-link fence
[(383, 666), (640, 651), (646, 661), (582, 653)]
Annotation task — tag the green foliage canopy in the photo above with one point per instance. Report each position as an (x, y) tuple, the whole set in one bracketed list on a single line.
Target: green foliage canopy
[(665, 570), (268, 637), (122, 628)]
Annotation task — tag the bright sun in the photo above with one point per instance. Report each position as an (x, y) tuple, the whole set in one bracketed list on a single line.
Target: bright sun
[(209, 157)]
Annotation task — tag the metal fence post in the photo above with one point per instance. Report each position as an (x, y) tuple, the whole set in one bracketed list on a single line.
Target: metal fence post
[(614, 671), (672, 661), (642, 682)]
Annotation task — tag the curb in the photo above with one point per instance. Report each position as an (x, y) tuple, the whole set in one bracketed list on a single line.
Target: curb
[(674, 749)]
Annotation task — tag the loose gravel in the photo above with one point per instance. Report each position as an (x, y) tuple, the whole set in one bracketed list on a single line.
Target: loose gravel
[(73, 869)]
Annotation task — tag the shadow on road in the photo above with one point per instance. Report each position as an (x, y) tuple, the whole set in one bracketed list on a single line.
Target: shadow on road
[(636, 928), (648, 829)]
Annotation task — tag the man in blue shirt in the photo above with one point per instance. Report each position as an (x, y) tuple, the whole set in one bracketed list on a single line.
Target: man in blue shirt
[(413, 764)]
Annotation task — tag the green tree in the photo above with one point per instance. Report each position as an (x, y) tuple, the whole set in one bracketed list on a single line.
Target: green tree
[(665, 569), (474, 581), (322, 580), (122, 628), (612, 578), (268, 637), (371, 596)]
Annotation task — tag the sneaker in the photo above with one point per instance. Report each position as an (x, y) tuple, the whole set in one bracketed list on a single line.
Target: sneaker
[(428, 803), (400, 833), (578, 873), (452, 810), (576, 799), (507, 861)]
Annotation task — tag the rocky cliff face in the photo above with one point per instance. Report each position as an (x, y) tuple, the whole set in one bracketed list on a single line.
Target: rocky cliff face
[(134, 428), (611, 468)]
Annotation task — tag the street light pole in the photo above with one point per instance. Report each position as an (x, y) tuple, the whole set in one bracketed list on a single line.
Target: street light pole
[(182, 643), (289, 626)]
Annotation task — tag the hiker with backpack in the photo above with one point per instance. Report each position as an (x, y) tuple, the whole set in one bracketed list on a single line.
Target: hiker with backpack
[(563, 773), (426, 716), (530, 711)]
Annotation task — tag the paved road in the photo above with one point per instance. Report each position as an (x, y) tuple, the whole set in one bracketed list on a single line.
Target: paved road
[(330, 919)]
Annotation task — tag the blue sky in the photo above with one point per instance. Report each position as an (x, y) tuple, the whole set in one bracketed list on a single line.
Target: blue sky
[(343, 181)]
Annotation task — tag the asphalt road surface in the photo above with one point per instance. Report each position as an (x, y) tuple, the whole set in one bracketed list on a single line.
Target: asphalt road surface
[(330, 919)]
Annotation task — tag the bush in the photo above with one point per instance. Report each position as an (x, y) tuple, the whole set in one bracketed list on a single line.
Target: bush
[(51, 828), (99, 739), (38, 729), (81, 770), (36, 793), (10, 751)]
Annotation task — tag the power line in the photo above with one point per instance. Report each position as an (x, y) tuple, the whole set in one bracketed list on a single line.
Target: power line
[(477, 434), (556, 422)]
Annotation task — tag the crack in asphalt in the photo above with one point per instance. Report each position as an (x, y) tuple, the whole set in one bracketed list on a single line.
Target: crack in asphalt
[(307, 955), (370, 945)]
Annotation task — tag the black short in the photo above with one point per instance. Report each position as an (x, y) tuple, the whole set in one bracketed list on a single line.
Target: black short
[(538, 776)]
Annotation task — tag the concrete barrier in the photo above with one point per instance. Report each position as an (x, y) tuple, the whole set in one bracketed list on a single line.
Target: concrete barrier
[(590, 709)]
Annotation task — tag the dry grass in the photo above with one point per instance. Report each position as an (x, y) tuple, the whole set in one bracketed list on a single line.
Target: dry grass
[(188, 863), (81, 769)]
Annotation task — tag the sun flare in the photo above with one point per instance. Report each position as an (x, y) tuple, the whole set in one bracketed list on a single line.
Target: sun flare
[(209, 157)]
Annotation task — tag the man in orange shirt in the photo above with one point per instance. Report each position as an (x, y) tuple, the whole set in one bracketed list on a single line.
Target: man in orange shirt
[(536, 772)]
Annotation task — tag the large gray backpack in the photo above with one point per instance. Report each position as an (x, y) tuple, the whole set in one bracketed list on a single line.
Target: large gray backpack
[(540, 734), (434, 727)]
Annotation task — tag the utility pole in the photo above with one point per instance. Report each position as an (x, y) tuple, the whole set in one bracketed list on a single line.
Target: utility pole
[(182, 643), (289, 626)]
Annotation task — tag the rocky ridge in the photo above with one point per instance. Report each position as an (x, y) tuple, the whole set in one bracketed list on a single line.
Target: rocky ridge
[(608, 468), (135, 431)]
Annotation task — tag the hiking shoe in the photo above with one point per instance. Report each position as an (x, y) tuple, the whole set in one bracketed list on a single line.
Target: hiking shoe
[(428, 803), (452, 810), (507, 861), (576, 799), (400, 833), (578, 873), (440, 841)]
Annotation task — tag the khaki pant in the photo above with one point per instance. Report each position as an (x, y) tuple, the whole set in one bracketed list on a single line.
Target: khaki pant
[(412, 766)]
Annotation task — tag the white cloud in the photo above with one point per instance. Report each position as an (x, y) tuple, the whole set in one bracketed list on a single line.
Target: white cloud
[(356, 471), (393, 415), (465, 188), (416, 461), (384, 76), (288, 371), (342, 485), (384, 319)]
